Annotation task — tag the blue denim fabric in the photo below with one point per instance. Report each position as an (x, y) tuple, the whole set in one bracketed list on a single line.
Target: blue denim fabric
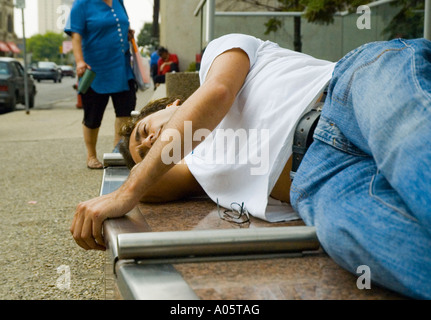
[(365, 182)]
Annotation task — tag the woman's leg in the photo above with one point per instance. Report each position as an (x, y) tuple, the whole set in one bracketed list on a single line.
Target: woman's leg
[(124, 103), (119, 122), (90, 139), (94, 106)]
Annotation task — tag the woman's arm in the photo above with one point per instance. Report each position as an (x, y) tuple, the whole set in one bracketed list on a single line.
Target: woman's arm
[(77, 53), (205, 109)]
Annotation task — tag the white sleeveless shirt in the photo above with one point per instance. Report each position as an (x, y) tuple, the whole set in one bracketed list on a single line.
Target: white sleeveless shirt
[(244, 156)]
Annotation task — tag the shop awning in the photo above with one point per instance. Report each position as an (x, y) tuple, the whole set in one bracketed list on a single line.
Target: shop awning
[(13, 47), (4, 47)]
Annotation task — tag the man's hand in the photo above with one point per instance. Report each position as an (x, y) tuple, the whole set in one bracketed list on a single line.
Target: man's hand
[(89, 217)]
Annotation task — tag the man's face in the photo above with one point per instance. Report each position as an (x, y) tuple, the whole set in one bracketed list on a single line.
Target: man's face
[(148, 130), (165, 56)]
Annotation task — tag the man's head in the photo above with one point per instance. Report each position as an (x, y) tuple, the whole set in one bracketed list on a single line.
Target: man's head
[(141, 132), (163, 53)]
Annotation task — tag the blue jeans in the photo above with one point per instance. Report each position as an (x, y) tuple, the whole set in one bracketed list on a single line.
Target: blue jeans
[(365, 182)]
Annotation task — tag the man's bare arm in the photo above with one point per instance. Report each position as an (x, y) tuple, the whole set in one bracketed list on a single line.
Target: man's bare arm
[(176, 184), (205, 109)]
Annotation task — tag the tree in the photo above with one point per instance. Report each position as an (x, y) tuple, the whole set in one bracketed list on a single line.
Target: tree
[(409, 22), (315, 11), (46, 47), (145, 37)]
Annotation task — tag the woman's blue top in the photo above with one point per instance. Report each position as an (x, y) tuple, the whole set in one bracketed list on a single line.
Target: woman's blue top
[(104, 31)]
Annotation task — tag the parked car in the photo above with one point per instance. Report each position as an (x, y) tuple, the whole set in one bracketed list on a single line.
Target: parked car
[(47, 70), (12, 88), (67, 71)]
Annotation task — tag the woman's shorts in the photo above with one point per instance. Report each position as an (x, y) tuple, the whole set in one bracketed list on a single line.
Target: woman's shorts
[(94, 105)]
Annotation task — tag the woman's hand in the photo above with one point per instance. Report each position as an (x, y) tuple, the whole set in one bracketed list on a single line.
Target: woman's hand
[(81, 66), (131, 34)]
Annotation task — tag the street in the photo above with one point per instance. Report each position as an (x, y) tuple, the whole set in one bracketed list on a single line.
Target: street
[(43, 178), (50, 93)]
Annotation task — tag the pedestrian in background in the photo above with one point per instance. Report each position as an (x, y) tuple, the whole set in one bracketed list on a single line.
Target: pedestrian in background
[(153, 65), (168, 62), (100, 32)]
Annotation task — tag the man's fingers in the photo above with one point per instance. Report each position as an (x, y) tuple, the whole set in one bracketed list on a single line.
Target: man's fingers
[(72, 227), (86, 229), (89, 217), (87, 233), (76, 230), (97, 234)]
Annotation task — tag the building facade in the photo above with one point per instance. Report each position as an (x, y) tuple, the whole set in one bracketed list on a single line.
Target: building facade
[(186, 34), (53, 14), (180, 31), (7, 33)]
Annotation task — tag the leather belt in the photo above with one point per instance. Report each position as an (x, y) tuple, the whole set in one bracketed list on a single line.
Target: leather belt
[(303, 136)]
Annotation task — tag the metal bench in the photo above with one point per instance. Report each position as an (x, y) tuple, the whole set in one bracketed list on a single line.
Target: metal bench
[(142, 260), (184, 251)]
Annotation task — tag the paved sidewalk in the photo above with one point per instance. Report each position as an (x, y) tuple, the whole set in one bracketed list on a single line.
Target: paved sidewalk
[(43, 177)]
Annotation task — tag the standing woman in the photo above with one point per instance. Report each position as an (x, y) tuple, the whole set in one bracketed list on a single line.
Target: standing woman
[(100, 33)]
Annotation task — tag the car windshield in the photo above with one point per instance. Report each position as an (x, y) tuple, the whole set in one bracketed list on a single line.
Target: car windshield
[(3, 68), (46, 65)]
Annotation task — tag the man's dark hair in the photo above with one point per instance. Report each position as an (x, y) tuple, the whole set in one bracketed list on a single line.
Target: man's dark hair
[(126, 130), (161, 50)]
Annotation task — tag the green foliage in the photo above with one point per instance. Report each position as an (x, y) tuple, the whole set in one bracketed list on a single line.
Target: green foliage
[(272, 25), (315, 11), (322, 11), (145, 37), (290, 5), (409, 22), (46, 47), (192, 67)]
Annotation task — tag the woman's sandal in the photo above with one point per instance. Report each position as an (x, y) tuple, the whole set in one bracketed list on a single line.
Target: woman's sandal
[(94, 164)]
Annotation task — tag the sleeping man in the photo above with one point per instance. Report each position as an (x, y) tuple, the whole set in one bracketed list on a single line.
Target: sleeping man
[(364, 183)]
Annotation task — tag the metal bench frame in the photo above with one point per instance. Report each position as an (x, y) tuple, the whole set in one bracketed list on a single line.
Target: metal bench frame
[(142, 260)]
